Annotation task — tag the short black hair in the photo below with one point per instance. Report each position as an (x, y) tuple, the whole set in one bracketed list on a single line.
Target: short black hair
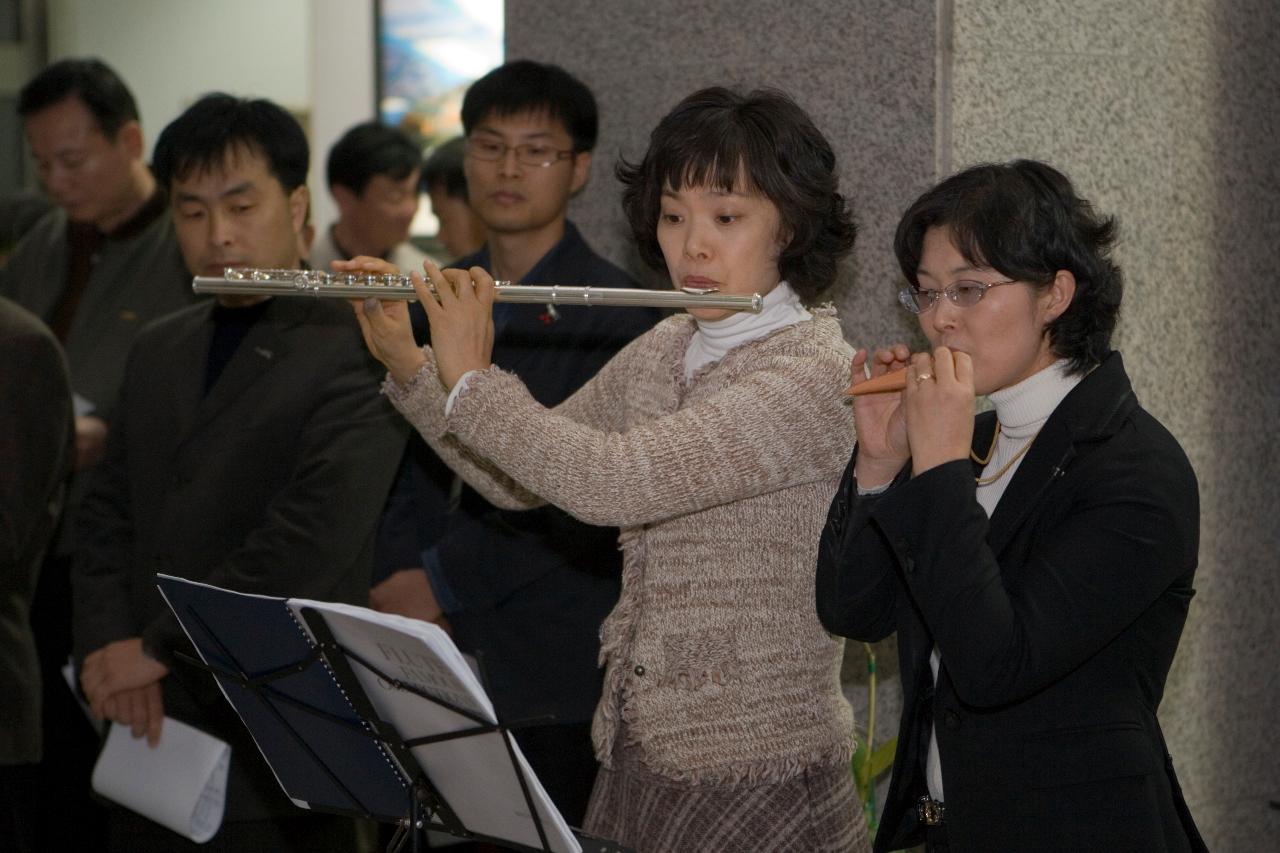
[(716, 138), (94, 82), (368, 150), (525, 86), (444, 169), (1025, 220), (201, 138)]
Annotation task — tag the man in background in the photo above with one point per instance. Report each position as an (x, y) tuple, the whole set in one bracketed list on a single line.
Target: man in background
[(95, 269), (104, 262), (373, 173), (524, 592), (252, 451), (461, 231)]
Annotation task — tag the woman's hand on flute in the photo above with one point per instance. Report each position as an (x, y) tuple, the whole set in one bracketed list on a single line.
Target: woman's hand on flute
[(882, 432), (385, 323), (938, 402), (461, 318)]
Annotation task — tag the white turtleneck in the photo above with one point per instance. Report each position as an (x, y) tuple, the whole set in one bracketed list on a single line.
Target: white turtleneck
[(1021, 410), (714, 338)]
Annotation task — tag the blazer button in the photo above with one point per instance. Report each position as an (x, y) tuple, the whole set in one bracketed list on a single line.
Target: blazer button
[(951, 719), (909, 564), (639, 670)]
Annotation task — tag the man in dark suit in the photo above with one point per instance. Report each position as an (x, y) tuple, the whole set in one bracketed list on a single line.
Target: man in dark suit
[(96, 268), (525, 592), (35, 455), (251, 450)]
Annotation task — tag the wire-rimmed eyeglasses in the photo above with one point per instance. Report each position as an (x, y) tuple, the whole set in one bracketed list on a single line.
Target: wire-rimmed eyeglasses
[(527, 153), (962, 293)]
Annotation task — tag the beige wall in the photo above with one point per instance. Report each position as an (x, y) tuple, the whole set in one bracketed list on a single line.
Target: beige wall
[(170, 52)]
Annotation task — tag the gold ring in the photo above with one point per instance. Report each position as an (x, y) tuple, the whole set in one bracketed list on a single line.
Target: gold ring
[(922, 377)]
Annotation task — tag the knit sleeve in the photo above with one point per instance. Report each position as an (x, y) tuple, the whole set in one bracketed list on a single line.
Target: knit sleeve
[(421, 400), (777, 425)]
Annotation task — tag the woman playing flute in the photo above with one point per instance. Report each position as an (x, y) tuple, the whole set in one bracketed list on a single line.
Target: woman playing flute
[(715, 441), (1037, 564)]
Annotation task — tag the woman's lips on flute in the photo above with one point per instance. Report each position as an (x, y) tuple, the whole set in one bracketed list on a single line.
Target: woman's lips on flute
[(894, 380)]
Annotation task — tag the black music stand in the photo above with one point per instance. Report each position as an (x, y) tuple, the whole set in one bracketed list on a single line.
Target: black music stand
[(320, 730)]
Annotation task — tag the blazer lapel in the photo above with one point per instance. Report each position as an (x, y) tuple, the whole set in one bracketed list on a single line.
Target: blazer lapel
[(263, 347), (1093, 409), (1045, 461)]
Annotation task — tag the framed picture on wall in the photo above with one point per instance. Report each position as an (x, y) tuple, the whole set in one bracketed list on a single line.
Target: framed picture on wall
[(428, 53)]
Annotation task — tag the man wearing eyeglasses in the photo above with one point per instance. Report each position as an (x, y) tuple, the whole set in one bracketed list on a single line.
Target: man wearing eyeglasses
[(524, 592)]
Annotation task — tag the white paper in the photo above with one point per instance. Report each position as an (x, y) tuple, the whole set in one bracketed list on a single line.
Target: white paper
[(181, 783), (474, 774)]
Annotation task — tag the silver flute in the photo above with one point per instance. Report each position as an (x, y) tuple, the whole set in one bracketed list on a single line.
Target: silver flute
[(265, 282)]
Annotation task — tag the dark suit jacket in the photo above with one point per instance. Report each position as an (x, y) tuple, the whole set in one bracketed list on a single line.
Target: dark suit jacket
[(1056, 620), (271, 483), (36, 438), (532, 587)]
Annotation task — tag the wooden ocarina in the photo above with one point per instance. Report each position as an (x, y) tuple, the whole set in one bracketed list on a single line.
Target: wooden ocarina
[(894, 380)]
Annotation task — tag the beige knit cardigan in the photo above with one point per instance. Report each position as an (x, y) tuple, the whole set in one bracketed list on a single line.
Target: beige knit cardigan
[(715, 661)]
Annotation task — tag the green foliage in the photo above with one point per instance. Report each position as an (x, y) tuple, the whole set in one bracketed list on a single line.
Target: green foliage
[(869, 761)]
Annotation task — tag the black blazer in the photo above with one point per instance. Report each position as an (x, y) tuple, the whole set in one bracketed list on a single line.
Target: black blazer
[(270, 483), (1056, 620)]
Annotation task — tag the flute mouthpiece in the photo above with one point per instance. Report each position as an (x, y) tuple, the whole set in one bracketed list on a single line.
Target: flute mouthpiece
[(895, 380)]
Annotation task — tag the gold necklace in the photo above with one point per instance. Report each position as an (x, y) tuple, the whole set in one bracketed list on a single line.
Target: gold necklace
[(1004, 469), (990, 450)]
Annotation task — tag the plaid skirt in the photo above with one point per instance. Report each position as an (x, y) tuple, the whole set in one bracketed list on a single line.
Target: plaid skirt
[(816, 811)]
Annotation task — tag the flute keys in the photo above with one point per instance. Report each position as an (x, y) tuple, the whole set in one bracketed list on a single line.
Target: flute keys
[(309, 280)]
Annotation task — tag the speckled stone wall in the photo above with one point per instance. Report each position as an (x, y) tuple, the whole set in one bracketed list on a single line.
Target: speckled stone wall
[(1165, 113)]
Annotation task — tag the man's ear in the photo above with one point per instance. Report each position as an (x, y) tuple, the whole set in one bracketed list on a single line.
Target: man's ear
[(1056, 299), (130, 136), (299, 201), (581, 170)]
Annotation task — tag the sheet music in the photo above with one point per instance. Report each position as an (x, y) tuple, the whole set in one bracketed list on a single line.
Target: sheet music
[(181, 783), (474, 774)]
